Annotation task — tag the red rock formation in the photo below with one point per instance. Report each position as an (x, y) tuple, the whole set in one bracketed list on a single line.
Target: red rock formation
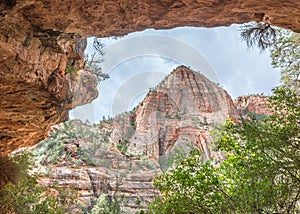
[(92, 165), (116, 17), (35, 91), (176, 113), (38, 38), (175, 116), (257, 104), (9, 171)]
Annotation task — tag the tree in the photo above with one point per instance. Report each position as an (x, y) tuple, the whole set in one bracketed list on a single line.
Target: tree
[(284, 45), (105, 206), (110, 205), (261, 34), (28, 197), (261, 173), (93, 62), (285, 54)]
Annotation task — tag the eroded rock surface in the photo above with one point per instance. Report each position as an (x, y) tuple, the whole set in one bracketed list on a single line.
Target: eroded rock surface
[(116, 17), (83, 158), (35, 90)]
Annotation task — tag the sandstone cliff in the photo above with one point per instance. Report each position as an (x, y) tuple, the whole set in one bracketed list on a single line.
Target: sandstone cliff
[(179, 112), (35, 90), (122, 155), (39, 38), (257, 104)]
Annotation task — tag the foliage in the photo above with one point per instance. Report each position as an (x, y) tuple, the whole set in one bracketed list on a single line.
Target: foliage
[(9, 171), (285, 49), (28, 197), (285, 55), (255, 115), (110, 205), (71, 70), (101, 206), (98, 45), (174, 158), (186, 188), (261, 34), (49, 151), (105, 206), (122, 147), (261, 174)]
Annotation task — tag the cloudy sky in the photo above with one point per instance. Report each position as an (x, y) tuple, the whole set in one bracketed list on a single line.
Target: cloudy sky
[(141, 60)]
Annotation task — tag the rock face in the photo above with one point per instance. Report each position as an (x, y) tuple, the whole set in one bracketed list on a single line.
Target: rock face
[(39, 38), (110, 17), (257, 104), (122, 155), (35, 90), (28, 110), (83, 158), (179, 112), (9, 171)]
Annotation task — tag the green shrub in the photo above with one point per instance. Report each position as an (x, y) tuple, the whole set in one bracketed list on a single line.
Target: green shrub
[(260, 174), (28, 197), (122, 147), (105, 206)]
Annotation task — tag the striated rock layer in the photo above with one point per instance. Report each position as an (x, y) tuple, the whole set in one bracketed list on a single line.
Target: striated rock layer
[(84, 158), (257, 104), (39, 38), (35, 90), (179, 112), (123, 154), (116, 17)]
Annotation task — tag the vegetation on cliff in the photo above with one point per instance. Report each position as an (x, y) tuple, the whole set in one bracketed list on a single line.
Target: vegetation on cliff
[(260, 175), (285, 55), (28, 197), (262, 171), (284, 46)]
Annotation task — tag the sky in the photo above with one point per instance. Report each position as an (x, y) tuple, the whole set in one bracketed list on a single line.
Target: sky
[(141, 60)]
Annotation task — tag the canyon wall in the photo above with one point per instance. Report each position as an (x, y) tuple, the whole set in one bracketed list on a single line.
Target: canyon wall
[(123, 154)]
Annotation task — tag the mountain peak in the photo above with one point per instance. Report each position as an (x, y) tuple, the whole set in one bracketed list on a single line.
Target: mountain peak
[(183, 76), (181, 70), (185, 104)]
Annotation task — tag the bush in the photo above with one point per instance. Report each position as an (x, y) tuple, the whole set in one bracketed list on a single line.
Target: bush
[(105, 206), (28, 197), (260, 175)]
